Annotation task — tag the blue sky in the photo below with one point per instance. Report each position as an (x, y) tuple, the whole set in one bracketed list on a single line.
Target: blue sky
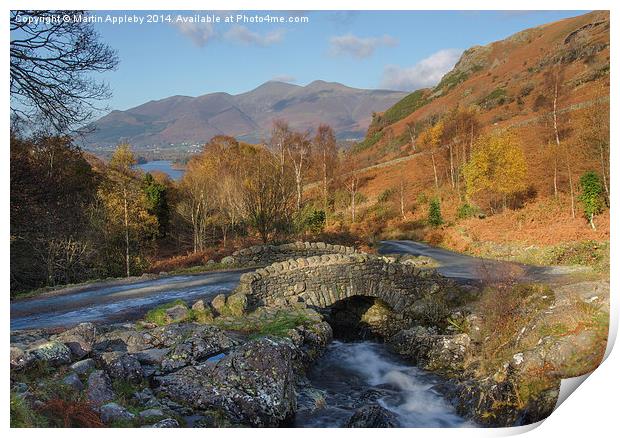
[(368, 49)]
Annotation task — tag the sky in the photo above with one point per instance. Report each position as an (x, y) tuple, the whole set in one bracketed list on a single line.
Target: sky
[(398, 50)]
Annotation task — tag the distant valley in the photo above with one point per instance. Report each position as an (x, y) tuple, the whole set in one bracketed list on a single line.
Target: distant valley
[(183, 120)]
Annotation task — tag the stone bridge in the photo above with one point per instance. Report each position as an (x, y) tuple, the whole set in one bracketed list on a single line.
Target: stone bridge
[(323, 281), (262, 255)]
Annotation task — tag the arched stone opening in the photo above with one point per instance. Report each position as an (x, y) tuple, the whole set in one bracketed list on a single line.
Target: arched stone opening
[(360, 318)]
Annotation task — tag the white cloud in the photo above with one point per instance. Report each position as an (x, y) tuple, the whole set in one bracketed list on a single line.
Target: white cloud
[(285, 78), (359, 47), (245, 36), (199, 33), (426, 73)]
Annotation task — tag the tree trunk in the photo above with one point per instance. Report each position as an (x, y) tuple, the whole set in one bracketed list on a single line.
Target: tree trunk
[(325, 180), (402, 199), (126, 230), (604, 173), (451, 167), (435, 170), (572, 190), (299, 188)]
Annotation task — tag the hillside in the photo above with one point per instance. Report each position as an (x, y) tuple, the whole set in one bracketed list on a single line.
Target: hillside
[(506, 85), (247, 116), (505, 82)]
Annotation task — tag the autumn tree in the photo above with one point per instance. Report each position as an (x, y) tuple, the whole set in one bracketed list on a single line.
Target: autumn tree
[(279, 144), (593, 136), (266, 197), (554, 96), (125, 203), (497, 165), (351, 180), (461, 128), (51, 66), (324, 145), (299, 149), (430, 139)]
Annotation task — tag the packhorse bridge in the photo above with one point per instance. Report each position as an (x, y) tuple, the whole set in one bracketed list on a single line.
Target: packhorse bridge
[(401, 290)]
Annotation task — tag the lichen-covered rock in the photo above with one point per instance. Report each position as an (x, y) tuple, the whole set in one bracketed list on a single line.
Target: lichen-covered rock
[(152, 356), (20, 359), (52, 353), (150, 413), (121, 366), (176, 313), (83, 367), (496, 404), (228, 260), (165, 423), (111, 412), (254, 385), (431, 351), (99, 388), (73, 381), (236, 304), (373, 416), (80, 339), (129, 340), (219, 303)]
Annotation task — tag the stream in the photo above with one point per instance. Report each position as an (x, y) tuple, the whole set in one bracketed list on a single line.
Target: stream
[(355, 374)]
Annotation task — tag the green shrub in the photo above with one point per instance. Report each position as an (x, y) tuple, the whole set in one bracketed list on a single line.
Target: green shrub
[(386, 195), (310, 219), (434, 213), (466, 211), (22, 415), (591, 196)]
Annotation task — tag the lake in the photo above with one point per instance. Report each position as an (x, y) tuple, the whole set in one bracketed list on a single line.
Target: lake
[(165, 166)]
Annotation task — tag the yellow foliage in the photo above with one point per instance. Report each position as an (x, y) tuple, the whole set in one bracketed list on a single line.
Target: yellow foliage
[(431, 136), (497, 164)]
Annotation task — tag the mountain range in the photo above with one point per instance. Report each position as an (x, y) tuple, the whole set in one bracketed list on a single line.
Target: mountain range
[(247, 116)]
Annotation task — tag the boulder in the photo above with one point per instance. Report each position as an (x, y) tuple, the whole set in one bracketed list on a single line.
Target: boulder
[(236, 304), (196, 345), (254, 385), (111, 412), (167, 422), (73, 381), (228, 260), (199, 305), (446, 354), (177, 313), (99, 388), (150, 413), (83, 367), (219, 303), (80, 339), (373, 416), (20, 359), (152, 356), (121, 366), (122, 339), (53, 353)]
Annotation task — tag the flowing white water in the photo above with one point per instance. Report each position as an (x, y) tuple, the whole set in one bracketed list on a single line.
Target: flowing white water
[(351, 375)]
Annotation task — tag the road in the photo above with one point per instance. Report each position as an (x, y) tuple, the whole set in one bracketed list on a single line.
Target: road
[(115, 301)]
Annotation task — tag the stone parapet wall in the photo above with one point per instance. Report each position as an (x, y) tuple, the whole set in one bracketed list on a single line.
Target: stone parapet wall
[(262, 255), (321, 281)]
